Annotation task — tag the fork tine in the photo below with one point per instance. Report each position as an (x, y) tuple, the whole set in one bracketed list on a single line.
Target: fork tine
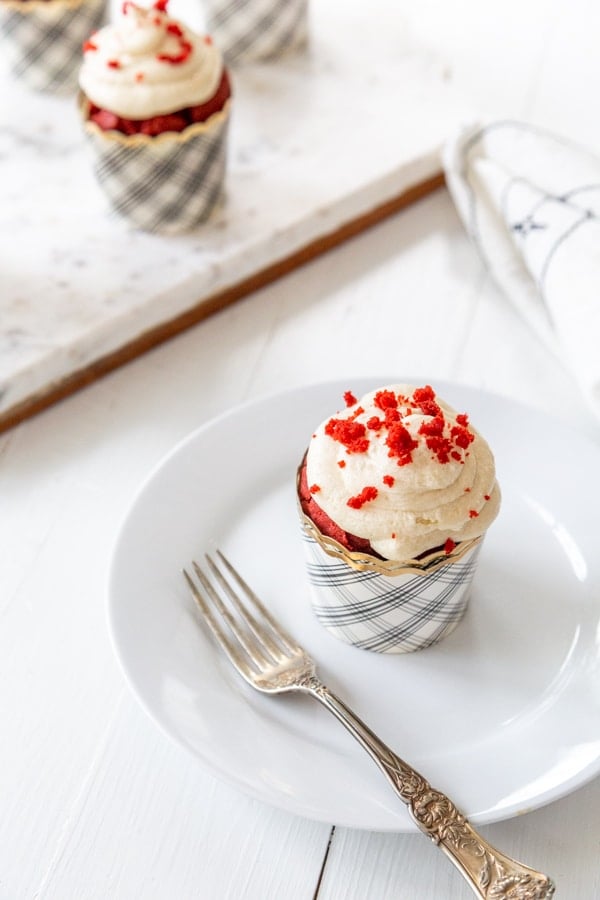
[(286, 639), (232, 652), (255, 652), (260, 630)]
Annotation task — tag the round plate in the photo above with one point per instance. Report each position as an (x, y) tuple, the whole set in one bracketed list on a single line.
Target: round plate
[(502, 715)]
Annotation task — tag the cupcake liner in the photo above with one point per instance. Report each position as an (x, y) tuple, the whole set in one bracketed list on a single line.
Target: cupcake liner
[(42, 39), (384, 606), (255, 30), (169, 183)]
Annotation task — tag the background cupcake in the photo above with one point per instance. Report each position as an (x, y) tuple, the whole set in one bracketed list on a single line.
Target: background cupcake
[(42, 39), (255, 30), (155, 103), (397, 492)]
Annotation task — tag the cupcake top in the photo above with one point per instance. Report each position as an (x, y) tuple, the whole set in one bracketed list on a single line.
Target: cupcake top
[(405, 471), (146, 64)]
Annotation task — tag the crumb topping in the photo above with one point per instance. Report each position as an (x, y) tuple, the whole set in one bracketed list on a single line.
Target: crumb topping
[(414, 473), (367, 494)]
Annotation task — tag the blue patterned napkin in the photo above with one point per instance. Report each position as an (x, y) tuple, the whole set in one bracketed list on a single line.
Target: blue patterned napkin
[(531, 202)]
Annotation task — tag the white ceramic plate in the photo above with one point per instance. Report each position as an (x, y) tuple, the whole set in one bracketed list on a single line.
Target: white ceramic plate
[(503, 715)]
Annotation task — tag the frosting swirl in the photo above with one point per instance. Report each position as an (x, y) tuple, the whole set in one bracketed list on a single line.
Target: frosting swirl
[(147, 64), (403, 470)]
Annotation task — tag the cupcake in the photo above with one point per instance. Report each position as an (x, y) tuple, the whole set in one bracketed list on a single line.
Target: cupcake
[(155, 104), (257, 30), (396, 493), (41, 39)]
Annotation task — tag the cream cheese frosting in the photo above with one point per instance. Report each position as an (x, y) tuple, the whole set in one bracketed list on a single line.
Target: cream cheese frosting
[(147, 64), (402, 469)]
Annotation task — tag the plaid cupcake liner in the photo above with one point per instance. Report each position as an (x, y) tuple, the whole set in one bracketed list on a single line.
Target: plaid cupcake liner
[(167, 184), (387, 613), (42, 39), (255, 30)]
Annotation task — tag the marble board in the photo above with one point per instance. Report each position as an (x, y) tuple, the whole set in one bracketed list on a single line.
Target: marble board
[(323, 144)]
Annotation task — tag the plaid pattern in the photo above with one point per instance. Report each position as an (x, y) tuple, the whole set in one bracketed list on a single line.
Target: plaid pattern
[(42, 40), (388, 614), (253, 30), (166, 184)]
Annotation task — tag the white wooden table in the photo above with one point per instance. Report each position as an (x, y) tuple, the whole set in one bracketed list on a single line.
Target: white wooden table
[(96, 802)]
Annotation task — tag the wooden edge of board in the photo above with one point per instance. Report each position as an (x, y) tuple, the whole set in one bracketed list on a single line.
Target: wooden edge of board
[(81, 378)]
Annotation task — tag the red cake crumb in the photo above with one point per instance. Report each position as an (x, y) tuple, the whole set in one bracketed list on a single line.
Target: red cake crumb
[(367, 494), (449, 546), (421, 395), (473, 513), (400, 443), (175, 59), (389, 480), (349, 398), (351, 434), (461, 436), (424, 399), (385, 400), (434, 426)]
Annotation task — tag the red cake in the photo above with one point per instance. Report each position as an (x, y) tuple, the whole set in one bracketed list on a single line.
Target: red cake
[(156, 102), (175, 121)]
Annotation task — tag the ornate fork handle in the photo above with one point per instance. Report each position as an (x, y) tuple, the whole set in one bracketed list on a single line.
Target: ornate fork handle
[(491, 874)]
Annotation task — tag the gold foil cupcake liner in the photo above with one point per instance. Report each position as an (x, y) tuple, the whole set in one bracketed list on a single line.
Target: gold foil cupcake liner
[(363, 562), (213, 123)]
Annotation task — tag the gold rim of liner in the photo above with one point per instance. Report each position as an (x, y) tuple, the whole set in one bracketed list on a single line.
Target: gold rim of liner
[(364, 562), (31, 6), (135, 140)]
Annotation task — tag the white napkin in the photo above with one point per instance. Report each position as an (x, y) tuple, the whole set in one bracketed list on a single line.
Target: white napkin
[(531, 202)]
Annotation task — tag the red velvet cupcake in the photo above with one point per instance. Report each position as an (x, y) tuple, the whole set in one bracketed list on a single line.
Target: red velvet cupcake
[(155, 103), (396, 493)]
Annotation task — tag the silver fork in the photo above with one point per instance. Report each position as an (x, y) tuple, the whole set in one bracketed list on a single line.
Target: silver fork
[(266, 655)]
